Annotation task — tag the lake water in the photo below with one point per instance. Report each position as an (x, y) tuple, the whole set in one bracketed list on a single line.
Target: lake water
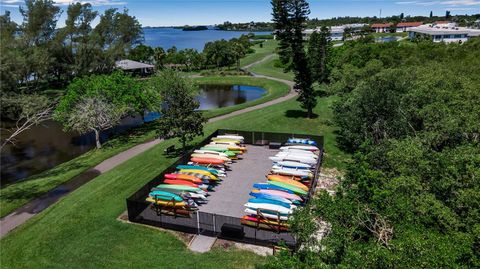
[(47, 145), (169, 37)]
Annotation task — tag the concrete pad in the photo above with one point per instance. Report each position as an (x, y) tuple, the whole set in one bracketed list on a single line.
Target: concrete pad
[(229, 197), (202, 243)]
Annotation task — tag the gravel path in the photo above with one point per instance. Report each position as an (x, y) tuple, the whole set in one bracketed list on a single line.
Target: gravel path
[(34, 207)]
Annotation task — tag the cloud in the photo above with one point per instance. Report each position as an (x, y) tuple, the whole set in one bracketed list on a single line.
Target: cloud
[(10, 3)]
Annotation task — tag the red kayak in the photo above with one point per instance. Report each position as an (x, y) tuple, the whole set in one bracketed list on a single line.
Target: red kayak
[(184, 177), (207, 161), (180, 182)]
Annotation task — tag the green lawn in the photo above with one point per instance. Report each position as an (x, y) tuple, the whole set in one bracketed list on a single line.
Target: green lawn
[(274, 89), (267, 68), (81, 230), (269, 47), (18, 194)]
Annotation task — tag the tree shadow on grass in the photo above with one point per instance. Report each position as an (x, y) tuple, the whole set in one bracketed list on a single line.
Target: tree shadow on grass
[(298, 114)]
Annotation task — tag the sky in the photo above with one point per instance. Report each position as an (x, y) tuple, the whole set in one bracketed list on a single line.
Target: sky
[(209, 12)]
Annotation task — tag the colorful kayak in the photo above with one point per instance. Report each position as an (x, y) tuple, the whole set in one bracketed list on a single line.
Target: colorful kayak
[(198, 171), (268, 201), (227, 140), (199, 151), (292, 172), (254, 222), (261, 195), (286, 195), (301, 147), (269, 207), (294, 158), (290, 164), (199, 167), (163, 195), (179, 187), (184, 177), (301, 141), (212, 156), (221, 149), (180, 182), (207, 161), (201, 176), (271, 215), (268, 186), (227, 136), (166, 203), (296, 190), (299, 153)]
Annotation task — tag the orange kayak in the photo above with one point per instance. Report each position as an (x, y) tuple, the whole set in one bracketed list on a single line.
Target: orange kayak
[(184, 177), (288, 181), (207, 161)]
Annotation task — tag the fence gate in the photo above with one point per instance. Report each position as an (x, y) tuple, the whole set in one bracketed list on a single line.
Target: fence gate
[(206, 223)]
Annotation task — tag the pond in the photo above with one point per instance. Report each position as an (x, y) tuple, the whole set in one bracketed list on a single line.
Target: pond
[(47, 145)]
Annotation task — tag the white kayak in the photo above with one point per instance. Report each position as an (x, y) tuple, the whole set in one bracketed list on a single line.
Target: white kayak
[(210, 152), (302, 159), (234, 137), (290, 164), (301, 147), (270, 207), (271, 216), (197, 196), (299, 153), (278, 167), (292, 172)]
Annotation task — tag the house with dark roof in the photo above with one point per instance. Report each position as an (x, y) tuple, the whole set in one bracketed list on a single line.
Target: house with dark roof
[(404, 26), (381, 27)]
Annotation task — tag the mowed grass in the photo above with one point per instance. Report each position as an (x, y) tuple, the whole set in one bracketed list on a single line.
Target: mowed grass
[(268, 47), (81, 230), (19, 194), (268, 68), (274, 90)]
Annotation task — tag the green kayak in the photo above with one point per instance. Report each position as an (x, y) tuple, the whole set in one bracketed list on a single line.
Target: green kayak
[(288, 187), (230, 153)]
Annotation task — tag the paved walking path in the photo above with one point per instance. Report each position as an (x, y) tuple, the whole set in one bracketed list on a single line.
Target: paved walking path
[(34, 207), (201, 243)]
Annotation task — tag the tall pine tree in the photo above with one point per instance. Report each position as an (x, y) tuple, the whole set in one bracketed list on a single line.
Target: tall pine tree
[(290, 17), (319, 46)]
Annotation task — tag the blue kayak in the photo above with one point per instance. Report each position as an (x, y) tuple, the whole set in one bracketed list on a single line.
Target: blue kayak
[(267, 186), (270, 197), (163, 195), (268, 201), (301, 141)]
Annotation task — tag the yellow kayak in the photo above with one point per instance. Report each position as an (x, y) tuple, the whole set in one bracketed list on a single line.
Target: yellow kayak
[(202, 172), (228, 140), (212, 156)]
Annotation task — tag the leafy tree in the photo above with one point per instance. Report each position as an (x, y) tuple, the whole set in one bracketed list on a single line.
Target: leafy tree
[(180, 117), (447, 14), (219, 53), (319, 47), (159, 57), (142, 53), (238, 52), (402, 16), (431, 14), (93, 114), (117, 89), (12, 60)]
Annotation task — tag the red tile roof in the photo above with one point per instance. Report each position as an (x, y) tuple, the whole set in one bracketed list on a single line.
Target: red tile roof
[(381, 25), (409, 24)]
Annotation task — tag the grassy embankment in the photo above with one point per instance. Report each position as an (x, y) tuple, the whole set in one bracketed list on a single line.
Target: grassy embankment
[(269, 68), (268, 47), (18, 194), (81, 230)]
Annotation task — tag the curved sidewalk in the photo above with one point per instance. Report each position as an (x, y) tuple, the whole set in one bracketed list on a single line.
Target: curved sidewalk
[(24, 213)]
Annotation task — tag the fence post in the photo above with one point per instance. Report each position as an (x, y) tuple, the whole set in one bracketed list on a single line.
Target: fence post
[(214, 224), (198, 224)]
